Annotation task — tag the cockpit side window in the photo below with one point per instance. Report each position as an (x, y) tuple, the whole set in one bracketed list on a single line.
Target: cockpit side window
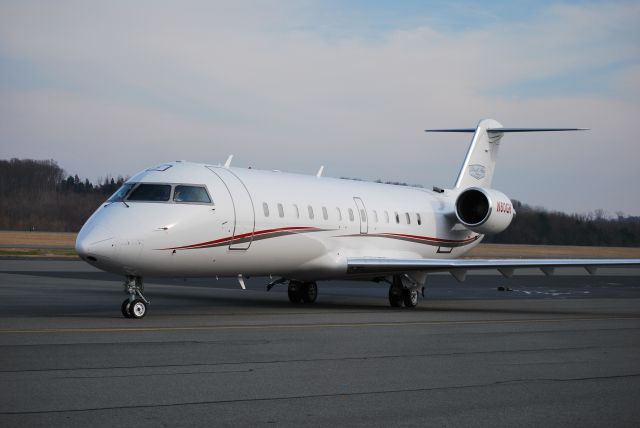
[(192, 194), (151, 193), (121, 193)]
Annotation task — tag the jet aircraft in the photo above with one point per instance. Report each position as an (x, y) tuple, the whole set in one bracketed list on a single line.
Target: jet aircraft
[(184, 219)]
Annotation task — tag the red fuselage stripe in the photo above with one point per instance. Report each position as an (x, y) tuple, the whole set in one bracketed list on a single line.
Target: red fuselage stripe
[(243, 235), (307, 228)]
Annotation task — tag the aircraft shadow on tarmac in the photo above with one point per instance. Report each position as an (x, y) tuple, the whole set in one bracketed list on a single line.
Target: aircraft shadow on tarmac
[(97, 303), (443, 295)]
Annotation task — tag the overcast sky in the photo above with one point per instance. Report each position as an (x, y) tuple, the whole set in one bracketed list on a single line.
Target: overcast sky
[(113, 87)]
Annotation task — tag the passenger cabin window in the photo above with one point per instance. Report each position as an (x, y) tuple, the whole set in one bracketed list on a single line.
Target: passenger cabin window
[(151, 193), (121, 193), (386, 216), (339, 214), (265, 208), (325, 214), (350, 214), (192, 194), (296, 210), (408, 218), (419, 219), (397, 217), (363, 216), (375, 216), (280, 210), (310, 208)]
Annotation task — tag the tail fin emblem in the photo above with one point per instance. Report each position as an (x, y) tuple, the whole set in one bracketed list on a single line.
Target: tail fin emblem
[(477, 171)]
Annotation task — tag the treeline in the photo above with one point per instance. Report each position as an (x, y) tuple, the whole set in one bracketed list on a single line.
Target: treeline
[(38, 195), (539, 226), (395, 183)]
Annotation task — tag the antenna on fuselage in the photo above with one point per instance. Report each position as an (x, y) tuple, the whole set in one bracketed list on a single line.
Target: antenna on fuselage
[(319, 174), (227, 164)]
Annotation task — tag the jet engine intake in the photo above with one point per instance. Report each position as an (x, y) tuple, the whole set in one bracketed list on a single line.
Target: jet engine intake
[(484, 210)]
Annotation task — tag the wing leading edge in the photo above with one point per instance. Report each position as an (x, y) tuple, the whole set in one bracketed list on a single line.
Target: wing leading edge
[(459, 267)]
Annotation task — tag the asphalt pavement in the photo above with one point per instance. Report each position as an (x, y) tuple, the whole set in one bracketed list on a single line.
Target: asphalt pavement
[(553, 351)]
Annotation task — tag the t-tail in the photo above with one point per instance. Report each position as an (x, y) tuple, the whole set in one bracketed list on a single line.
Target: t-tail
[(480, 162)]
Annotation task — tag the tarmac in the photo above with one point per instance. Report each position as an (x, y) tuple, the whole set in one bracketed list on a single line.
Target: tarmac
[(553, 351)]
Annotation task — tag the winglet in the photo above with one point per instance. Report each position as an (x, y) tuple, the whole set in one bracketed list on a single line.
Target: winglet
[(227, 164), (319, 174)]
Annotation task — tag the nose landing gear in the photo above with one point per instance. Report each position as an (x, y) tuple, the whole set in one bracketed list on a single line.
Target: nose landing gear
[(134, 306)]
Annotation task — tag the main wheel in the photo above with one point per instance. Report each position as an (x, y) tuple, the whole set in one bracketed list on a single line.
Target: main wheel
[(395, 296), (125, 308), (295, 296), (410, 297), (138, 309), (309, 292)]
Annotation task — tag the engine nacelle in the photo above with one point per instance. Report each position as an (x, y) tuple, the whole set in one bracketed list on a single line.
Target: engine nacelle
[(484, 210)]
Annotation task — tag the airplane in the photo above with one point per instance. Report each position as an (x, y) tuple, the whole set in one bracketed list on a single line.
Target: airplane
[(184, 219)]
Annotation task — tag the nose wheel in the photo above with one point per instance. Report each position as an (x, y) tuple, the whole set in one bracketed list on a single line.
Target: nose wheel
[(125, 308), (134, 306), (134, 309)]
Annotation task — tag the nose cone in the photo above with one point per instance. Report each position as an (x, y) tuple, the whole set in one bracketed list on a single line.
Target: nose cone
[(95, 243)]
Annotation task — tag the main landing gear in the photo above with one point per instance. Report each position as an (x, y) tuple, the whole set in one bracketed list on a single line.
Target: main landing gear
[(403, 291), (298, 291), (306, 292), (134, 306)]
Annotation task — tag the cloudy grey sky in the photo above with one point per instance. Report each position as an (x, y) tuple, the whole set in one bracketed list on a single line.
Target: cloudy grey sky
[(113, 87)]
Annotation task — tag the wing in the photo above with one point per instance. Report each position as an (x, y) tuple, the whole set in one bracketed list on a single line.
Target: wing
[(459, 267)]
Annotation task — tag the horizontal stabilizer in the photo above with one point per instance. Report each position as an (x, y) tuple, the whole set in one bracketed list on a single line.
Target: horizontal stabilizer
[(452, 130), (503, 130)]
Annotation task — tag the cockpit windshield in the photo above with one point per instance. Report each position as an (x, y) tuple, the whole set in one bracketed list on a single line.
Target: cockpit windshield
[(151, 193), (121, 193), (194, 194), (157, 192)]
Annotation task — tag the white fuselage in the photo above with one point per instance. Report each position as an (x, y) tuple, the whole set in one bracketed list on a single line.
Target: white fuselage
[(269, 223)]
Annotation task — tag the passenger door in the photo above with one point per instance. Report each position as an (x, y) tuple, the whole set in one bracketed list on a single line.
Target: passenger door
[(362, 214), (244, 215)]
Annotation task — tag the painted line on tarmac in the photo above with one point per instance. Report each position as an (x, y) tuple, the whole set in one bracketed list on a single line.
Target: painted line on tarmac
[(302, 326)]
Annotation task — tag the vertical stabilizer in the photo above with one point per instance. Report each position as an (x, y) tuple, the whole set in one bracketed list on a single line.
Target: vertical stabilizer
[(480, 163)]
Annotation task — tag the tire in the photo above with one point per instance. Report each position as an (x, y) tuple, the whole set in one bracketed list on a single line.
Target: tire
[(138, 309), (295, 296), (309, 292), (410, 297), (395, 297), (125, 308)]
